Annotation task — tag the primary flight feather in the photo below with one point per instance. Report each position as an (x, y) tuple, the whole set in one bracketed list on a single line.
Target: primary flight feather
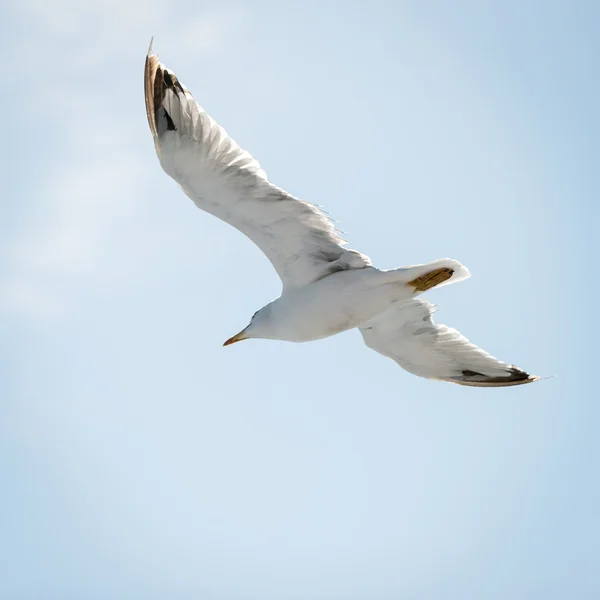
[(327, 288)]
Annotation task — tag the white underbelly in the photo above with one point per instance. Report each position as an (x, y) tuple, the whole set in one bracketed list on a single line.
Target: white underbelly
[(320, 311)]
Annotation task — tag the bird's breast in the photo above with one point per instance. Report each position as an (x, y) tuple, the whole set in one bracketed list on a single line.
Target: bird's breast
[(325, 308)]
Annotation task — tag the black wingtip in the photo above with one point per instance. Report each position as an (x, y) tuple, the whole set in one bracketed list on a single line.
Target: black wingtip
[(515, 376), (163, 81), (161, 114)]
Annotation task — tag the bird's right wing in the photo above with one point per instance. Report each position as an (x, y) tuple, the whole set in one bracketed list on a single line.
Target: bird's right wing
[(407, 334), (223, 179)]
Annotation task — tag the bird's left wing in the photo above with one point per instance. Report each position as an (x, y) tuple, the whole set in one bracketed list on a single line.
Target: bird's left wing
[(223, 179), (407, 334)]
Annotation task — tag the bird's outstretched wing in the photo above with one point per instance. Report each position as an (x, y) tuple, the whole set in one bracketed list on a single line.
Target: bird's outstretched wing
[(223, 179), (407, 334)]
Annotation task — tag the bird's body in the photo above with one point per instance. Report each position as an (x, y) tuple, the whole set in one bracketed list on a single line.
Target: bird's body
[(343, 301), (327, 288), (334, 304)]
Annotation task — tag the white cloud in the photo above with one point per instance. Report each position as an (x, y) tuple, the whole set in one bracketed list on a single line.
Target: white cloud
[(27, 296), (96, 185), (84, 202), (205, 33), (74, 18)]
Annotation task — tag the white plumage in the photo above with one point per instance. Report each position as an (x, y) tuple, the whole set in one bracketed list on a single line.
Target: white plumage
[(407, 334), (226, 181), (327, 288)]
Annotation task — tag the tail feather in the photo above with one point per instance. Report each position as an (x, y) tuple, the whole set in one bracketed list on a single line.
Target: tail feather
[(437, 273)]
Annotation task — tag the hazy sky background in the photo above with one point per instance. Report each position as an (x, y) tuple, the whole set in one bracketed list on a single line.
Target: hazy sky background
[(141, 460)]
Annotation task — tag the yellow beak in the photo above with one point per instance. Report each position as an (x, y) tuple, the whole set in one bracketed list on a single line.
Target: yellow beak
[(238, 337)]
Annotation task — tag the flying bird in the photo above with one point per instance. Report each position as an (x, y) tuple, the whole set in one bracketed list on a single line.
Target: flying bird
[(327, 288)]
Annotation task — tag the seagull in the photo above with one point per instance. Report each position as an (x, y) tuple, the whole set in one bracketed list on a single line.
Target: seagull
[(326, 287)]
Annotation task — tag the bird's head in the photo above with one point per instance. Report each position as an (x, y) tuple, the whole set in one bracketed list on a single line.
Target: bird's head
[(258, 327)]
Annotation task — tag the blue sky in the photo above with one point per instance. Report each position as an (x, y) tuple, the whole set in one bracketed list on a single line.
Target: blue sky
[(140, 459)]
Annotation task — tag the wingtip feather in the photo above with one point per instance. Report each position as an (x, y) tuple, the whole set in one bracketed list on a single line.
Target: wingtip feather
[(150, 68), (516, 377)]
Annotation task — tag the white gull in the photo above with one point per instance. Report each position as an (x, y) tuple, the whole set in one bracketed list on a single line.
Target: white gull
[(327, 288)]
